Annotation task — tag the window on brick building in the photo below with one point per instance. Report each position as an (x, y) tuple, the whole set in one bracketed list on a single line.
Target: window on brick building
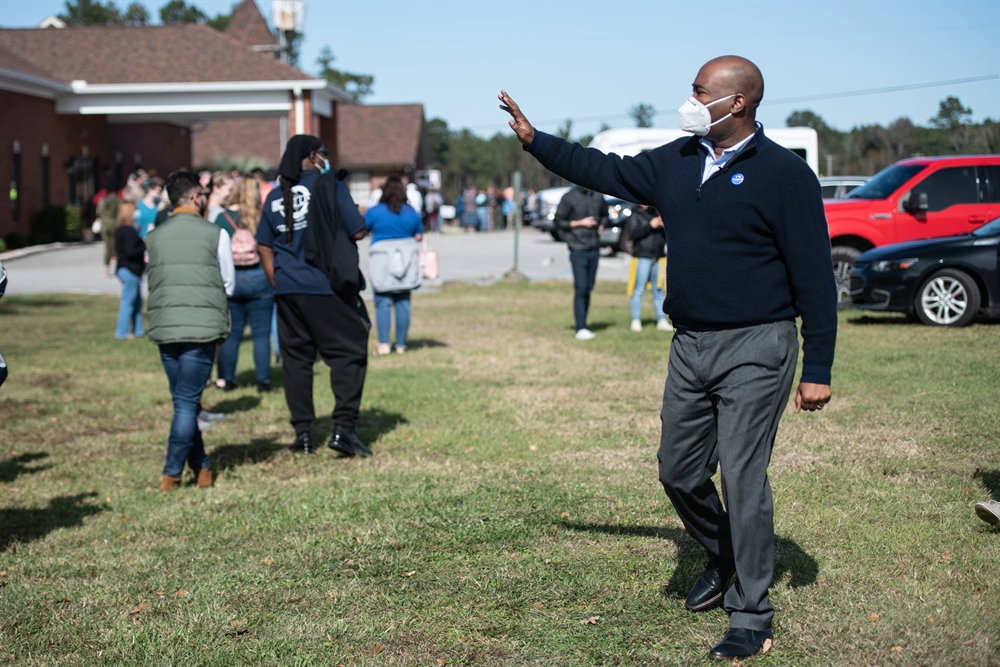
[(45, 176), (361, 188)]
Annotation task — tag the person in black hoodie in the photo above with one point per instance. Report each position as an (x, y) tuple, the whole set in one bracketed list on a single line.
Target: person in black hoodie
[(312, 317), (649, 264), (130, 251), (749, 252), (581, 216)]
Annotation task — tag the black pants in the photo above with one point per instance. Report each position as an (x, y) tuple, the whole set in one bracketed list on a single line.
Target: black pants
[(584, 263), (338, 331)]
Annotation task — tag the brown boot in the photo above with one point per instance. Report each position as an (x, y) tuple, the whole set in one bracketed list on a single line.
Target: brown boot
[(169, 483), (204, 477)]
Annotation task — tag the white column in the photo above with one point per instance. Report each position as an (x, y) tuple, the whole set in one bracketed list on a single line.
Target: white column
[(300, 113)]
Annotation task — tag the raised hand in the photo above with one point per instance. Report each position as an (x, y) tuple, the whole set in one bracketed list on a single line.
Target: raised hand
[(522, 128)]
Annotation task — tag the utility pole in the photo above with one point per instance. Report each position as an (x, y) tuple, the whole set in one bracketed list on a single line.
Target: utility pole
[(288, 16), (514, 275), (829, 165)]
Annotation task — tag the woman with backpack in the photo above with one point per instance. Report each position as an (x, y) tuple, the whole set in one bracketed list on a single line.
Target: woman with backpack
[(253, 296)]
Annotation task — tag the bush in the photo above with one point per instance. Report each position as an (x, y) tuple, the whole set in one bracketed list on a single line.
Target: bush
[(74, 223), (16, 240), (54, 224), (241, 163), (3, 246)]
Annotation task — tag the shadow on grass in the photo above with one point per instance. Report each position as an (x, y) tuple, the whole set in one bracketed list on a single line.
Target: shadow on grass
[(227, 457), (594, 326), (241, 404), (15, 466), (420, 343), (18, 525), (248, 378), (373, 423), (887, 321), (789, 557), (13, 305), (990, 479)]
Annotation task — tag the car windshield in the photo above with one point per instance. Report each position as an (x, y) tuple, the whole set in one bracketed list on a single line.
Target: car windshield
[(991, 228), (885, 182)]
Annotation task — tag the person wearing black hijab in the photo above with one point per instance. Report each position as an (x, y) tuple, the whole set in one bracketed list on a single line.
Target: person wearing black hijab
[(312, 318)]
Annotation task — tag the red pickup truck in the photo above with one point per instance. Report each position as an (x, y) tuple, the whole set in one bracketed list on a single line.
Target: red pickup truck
[(913, 199)]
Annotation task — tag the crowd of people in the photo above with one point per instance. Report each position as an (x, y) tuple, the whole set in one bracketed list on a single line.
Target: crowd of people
[(274, 278), (478, 210), (222, 251)]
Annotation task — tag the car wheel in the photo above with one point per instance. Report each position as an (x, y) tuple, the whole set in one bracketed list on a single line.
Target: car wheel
[(949, 298), (843, 261)]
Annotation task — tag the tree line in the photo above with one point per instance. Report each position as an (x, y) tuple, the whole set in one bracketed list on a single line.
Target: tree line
[(867, 149)]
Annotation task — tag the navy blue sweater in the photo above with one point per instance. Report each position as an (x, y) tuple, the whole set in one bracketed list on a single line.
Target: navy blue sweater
[(749, 246)]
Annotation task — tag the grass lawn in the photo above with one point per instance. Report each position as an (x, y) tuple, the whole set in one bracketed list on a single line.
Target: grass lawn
[(513, 495)]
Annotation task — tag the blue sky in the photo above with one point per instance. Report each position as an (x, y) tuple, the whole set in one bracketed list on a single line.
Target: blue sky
[(596, 59)]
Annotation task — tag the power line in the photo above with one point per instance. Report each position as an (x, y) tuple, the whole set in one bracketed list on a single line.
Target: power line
[(784, 100), (874, 91)]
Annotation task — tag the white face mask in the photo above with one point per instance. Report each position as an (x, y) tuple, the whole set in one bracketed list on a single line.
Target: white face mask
[(696, 118)]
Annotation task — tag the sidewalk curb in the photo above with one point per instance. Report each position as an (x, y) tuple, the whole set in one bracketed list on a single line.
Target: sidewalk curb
[(35, 250)]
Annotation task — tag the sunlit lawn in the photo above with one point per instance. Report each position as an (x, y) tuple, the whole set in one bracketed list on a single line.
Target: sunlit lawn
[(513, 494)]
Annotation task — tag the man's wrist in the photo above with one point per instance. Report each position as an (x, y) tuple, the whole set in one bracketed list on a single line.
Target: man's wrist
[(815, 374)]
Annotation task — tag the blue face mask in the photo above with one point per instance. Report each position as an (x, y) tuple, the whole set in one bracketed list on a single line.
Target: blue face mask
[(326, 165)]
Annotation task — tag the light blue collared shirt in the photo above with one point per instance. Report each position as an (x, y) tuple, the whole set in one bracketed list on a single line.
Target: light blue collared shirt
[(714, 164)]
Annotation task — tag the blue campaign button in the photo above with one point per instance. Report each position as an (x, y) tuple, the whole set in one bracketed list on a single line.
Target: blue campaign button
[(737, 179)]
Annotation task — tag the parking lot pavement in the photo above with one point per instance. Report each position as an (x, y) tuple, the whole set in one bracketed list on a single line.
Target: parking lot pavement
[(469, 258)]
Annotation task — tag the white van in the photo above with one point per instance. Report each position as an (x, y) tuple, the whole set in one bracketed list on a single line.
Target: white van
[(633, 140)]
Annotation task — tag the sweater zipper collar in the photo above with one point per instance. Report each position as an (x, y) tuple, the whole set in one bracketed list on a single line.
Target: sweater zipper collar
[(739, 155)]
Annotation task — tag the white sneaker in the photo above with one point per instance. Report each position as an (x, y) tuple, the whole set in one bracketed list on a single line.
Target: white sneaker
[(989, 512), (585, 334), (664, 325), (207, 416), (636, 325)]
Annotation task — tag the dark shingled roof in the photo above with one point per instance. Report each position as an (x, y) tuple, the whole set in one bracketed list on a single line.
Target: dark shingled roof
[(10, 60), (378, 135), (248, 26), (178, 53)]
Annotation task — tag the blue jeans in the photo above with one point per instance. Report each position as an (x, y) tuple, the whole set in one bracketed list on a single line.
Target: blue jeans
[(188, 366), (130, 308), (647, 270), (253, 301), (274, 330), (584, 263), (384, 303), (484, 219)]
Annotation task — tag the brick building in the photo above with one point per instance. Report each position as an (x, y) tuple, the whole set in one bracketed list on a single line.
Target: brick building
[(80, 106), (377, 140), (256, 139)]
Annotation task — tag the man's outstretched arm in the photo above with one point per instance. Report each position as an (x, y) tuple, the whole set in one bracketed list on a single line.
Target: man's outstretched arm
[(630, 178)]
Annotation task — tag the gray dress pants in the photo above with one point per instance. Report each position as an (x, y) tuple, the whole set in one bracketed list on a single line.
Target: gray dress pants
[(724, 396)]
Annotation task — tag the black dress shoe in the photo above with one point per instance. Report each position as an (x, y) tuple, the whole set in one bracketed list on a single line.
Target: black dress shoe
[(348, 443), (303, 444), (741, 643), (263, 387), (707, 592), (228, 386)]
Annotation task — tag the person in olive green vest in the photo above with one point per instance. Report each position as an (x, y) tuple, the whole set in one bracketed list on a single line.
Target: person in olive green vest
[(190, 275)]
